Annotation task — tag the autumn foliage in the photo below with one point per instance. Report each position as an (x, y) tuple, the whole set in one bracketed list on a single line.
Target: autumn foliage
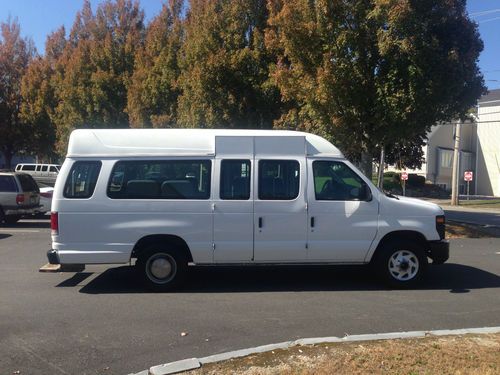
[(363, 73)]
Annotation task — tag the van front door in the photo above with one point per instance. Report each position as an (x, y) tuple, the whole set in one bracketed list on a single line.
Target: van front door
[(280, 210), (342, 214)]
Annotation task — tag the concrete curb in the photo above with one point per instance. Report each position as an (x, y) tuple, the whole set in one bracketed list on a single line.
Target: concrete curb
[(194, 363)]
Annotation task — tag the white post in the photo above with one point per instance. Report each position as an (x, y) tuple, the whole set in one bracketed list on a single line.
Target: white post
[(455, 172)]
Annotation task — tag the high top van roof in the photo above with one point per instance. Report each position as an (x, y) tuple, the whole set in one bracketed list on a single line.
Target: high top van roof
[(177, 142)]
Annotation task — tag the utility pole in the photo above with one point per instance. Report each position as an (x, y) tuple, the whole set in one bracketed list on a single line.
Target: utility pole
[(455, 171)]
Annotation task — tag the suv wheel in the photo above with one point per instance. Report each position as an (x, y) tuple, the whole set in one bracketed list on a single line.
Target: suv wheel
[(162, 268), (401, 264)]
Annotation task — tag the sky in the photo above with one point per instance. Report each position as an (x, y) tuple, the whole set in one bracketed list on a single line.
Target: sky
[(38, 18)]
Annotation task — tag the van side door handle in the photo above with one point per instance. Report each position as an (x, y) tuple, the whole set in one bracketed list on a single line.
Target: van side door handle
[(260, 222), (312, 221)]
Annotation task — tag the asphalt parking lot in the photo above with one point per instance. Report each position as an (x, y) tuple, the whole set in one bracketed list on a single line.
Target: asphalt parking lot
[(102, 322)]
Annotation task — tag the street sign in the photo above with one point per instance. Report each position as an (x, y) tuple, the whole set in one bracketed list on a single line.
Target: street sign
[(404, 176), (468, 175)]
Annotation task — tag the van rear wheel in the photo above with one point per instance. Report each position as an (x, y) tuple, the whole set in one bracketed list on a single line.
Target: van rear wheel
[(162, 268), (401, 264)]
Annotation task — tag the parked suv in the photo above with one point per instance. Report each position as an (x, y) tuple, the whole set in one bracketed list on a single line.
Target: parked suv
[(19, 195)]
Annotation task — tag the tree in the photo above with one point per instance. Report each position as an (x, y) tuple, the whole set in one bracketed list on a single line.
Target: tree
[(15, 54), (373, 73), (225, 67), (153, 91), (39, 95), (96, 66)]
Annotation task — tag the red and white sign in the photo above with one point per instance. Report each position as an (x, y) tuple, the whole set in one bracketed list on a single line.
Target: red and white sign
[(468, 175), (404, 176)]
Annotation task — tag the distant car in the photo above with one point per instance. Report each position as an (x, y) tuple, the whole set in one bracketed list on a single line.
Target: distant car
[(19, 196), (42, 173), (45, 200)]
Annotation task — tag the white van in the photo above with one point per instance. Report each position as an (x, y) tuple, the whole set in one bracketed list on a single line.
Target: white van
[(42, 173), (173, 197)]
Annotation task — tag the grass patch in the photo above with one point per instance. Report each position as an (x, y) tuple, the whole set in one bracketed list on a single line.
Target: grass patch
[(481, 203), (462, 230), (469, 354)]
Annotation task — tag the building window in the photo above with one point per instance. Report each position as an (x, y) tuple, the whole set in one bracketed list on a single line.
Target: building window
[(445, 158)]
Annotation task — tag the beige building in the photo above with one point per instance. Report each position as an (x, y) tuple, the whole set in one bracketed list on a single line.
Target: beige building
[(487, 180), (479, 150)]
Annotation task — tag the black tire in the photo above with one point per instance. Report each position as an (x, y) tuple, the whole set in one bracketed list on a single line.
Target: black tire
[(400, 264), (171, 267), (12, 219)]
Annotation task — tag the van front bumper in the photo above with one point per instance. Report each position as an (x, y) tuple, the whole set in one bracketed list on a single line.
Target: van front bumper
[(53, 257), (439, 251)]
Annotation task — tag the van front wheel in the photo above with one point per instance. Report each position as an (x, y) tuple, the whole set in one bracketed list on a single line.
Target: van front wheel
[(161, 268), (401, 265)]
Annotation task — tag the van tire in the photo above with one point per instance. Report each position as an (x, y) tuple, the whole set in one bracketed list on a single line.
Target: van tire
[(162, 268), (400, 264)]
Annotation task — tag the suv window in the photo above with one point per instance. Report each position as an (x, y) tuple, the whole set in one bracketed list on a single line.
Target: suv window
[(335, 181), (235, 179), (82, 179), (27, 182), (279, 179), (8, 184), (160, 179)]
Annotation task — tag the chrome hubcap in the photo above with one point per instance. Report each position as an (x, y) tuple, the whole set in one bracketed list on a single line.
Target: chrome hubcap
[(161, 268), (403, 265)]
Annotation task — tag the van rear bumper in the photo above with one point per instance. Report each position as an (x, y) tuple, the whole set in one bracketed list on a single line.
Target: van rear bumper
[(53, 257), (439, 251)]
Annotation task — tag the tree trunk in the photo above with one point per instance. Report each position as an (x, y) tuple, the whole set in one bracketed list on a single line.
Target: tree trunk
[(366, 164), (7, 154)]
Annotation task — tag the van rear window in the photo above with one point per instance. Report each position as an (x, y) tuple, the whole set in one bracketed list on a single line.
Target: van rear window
[(160, 179), (27, 182), (82, 179)]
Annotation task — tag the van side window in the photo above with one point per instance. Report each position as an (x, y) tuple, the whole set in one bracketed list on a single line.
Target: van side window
[(279, 179), (29, 167), (335, 181), (235, 179), (82, 179), (160, 179), (44, 168), (53, 169)]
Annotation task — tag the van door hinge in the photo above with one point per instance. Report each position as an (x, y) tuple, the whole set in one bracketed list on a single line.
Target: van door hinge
[(213, 206), (307, 207), (213, 245)]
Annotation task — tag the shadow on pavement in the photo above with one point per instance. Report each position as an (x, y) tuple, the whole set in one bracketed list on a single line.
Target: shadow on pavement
[(456, 278)]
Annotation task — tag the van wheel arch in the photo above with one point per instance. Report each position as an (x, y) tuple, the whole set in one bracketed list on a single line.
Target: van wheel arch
[(401, 235), (164, 239)]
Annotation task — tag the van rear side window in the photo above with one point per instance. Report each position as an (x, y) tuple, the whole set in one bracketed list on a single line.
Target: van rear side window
[(160, 179), (82, 179)]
